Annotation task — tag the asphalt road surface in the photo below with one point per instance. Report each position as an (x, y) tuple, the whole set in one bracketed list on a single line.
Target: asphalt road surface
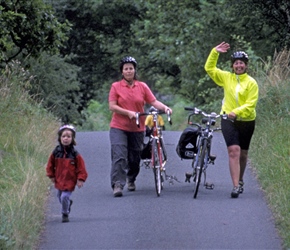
[(141, 220)]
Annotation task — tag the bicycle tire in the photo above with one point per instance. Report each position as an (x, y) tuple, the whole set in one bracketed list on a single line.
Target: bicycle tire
[(162, 158), (157, 162), (163, 150), (199, 168), (163, 161)]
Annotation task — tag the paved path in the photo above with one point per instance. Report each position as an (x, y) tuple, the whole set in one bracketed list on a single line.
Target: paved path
[(141, 220)]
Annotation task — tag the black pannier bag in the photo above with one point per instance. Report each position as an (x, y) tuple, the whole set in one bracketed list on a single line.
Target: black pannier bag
[(146, 152), (186, 147)]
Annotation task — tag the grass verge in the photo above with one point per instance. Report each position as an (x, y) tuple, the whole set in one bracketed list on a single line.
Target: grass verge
[(26, 138)]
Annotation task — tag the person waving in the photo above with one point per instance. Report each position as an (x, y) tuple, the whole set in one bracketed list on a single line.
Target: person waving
[(239, 103)]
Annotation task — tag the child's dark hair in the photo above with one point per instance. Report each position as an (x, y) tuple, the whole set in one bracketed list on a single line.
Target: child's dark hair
[(67, 127)]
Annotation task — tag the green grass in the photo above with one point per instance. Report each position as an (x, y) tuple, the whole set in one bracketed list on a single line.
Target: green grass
[(270, 147), (27, 136), (270, 155)]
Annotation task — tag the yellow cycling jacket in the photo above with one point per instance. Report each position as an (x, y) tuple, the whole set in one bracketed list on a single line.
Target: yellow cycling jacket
[(240, 91)]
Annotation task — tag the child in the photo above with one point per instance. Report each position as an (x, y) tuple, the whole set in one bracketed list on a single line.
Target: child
[(66, 168)]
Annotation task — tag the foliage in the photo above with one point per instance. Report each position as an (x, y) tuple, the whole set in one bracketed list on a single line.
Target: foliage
[(27, 136), (170, 40), (264, 22), (55, 84), (28, 27), (31, 33), (271, 160), (97, 117), (100, 30), (178, 50)]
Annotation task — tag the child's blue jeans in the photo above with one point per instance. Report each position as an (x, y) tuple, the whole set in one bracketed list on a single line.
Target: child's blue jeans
[(64, 199)]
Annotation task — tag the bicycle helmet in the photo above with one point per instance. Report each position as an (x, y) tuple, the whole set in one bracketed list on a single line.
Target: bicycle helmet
[(128, 59), (70, 127), (240, 55)]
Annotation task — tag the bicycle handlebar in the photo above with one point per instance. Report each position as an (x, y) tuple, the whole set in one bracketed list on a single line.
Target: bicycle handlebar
[(212, 115)]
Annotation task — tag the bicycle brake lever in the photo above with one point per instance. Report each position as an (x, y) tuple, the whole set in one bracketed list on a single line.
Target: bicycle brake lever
[(169, 117), (137, 119), (197, 111)]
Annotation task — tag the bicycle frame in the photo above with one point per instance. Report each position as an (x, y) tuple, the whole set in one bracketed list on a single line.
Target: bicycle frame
[(158, 151), (203, 157), (156, 136)]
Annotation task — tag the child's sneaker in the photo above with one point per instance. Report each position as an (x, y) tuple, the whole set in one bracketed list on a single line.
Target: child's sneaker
[(65, 218)]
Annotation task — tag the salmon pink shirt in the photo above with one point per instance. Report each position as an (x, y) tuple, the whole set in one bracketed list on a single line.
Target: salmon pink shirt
[(131, 98)]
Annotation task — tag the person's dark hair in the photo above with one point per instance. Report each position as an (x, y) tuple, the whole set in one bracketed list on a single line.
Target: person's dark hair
[(69, 127), (240, 55)]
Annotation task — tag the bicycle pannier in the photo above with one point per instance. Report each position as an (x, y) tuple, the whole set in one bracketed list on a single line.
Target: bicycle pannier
[(186, 147), (146, 152)]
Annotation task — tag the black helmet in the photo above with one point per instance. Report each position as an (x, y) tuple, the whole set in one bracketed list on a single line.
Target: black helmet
[(128, 59), (240, 55)]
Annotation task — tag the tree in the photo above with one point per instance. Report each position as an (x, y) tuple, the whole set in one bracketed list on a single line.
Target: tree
[(177, 37), (27, 28), (54, 83), (266, 23), (100, 33)]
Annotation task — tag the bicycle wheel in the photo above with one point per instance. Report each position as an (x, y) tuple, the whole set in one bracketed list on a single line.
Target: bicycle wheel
[(199, 168), (157, 162)]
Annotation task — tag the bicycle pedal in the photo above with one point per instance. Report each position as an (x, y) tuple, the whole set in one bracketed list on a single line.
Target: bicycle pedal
[(212, 157), (147, 165)]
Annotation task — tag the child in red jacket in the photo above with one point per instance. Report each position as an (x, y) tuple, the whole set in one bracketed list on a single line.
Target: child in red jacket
[(66, 168)]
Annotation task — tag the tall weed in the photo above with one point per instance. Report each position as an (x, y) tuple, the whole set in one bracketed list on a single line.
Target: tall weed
[(270, 149), (27, 135)]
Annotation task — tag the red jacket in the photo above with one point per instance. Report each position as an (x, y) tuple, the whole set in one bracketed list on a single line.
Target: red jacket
[(67, 166)]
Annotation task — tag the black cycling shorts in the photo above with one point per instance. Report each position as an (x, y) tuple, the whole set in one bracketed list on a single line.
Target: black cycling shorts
[(238, 132)]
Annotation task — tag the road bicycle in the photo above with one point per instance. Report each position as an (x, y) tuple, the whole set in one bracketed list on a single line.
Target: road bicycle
[(202, 158), (158, 155)]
